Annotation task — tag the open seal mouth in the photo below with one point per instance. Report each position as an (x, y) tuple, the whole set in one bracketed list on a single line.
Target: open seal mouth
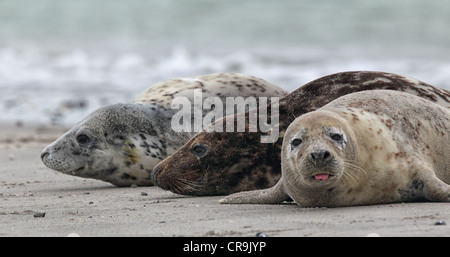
[(322, 177)]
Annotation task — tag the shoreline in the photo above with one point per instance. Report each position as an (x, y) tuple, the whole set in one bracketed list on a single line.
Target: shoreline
[(87, 207)]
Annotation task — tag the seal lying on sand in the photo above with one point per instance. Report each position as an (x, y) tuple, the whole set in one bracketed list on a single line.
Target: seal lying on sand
[(369, 147), (218, 163), (121, 143)]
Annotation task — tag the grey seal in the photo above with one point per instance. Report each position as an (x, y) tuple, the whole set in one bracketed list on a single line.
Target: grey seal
[(121, 143), (365, 148)]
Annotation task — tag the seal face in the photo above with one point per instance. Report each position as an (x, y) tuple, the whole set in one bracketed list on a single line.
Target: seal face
[(122, 143), (320, 150), (114, 144), (364, 148), (239, 162)]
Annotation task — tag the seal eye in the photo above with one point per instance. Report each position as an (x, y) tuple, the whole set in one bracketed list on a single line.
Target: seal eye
[(83, 139), (296, 142), (336, 137), (199, 150)]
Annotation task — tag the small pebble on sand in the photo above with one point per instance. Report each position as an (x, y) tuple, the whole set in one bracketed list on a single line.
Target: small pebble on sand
[(39, 215)]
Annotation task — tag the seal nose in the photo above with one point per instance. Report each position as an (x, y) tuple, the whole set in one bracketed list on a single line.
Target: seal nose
[(44, 154), (320, 157), (155, 172)]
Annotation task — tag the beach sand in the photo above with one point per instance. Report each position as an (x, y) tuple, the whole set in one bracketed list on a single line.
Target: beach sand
[(86, 207)]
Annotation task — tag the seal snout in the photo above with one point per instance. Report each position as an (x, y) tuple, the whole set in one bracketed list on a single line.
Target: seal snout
[(322, 165), (44, 154), (155, 172), (320, 157), (160, 178)]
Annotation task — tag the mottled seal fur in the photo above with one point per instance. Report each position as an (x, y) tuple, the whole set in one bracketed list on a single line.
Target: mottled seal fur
[(365, 148), (121, 143), (233, 162)]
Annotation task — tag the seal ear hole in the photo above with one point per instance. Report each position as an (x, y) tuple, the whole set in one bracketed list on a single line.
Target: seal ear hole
[(199, 150), (83, 139)]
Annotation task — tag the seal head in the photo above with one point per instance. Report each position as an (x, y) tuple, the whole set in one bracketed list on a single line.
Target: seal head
[(214, 169), (319, 150), (113, 144)]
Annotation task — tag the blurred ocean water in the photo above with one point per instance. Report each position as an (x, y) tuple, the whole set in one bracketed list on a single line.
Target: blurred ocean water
[(61, 59)]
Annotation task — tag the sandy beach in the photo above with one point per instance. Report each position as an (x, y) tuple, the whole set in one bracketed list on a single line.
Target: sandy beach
[(36, 201)]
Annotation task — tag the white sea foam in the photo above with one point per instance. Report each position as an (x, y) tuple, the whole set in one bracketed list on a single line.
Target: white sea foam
[(46, 86)]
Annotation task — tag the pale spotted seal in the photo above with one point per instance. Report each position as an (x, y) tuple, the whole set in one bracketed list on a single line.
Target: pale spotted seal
[(121, 143), (370, 147), (218, 163)]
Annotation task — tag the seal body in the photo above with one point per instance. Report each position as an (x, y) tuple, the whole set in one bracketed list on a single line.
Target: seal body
[(121, 143), (233, 162), (365, 148)]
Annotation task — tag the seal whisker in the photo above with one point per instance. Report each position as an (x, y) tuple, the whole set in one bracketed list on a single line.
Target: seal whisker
[(189, 183), (176, 187), (180, 187), (187, 186), (191, 172), (353, 167), (349, 176), (294, 180)]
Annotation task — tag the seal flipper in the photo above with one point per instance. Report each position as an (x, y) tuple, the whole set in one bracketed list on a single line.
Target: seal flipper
[(435, 189), (426, 185), (273, 195)]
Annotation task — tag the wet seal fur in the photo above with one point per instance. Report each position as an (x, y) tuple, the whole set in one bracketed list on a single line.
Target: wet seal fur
[(121, 143), (365, 148), (233, 162)]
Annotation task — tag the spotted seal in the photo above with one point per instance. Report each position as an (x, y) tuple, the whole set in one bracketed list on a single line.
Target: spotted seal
[(121, 143), (370, 147), (219, 163)]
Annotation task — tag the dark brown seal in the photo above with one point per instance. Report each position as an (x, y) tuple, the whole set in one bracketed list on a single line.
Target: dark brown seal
[(218, 163)]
